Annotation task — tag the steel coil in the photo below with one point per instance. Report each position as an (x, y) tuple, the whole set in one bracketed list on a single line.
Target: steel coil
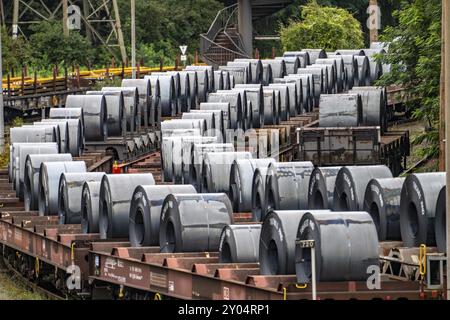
[(63, 132), (131, 105), (68, 113), (330, 78), (382, 202), (267, 77), (284, 100), (198, 154), (76, 137), (170, 149), (193, 222), (255, 95), (259, 194), (145, 105), (198, 124), (224, 107), (240, 74), (363, 70), (168, 95), (305, 91), (246, 64), (278, 67), (95, 115), (156, 99), (270, 107), (49, 128), (301, 55), (114, 106), (246, 121), (351, 67), (340, 110), (235, 100), (216, 170), (185, 92), (287, 186), (291, 64), (210, 71), (31, 176), (346, 245), (33, 134), (90, 196), (227, 81), (218, 131), (193, 87), (70, 192), (256, 69), (339, 67), (240, 244), (49, 175), (294, 107), (218, 80), (321, 188), (182, 173), (317, 76), (418, 208), (277, 242), (440, 224), (351, 52), (203, 82), (210, 127), (115, 199), (241, 182), (351, 184), (145, 212), (374, 106), (315, 54)]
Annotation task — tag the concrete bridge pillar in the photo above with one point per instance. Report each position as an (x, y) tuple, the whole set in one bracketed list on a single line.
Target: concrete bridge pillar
[(246, 25)]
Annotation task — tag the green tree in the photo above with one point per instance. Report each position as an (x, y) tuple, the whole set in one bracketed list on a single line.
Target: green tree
[(415, 55), (324, 27), (15, 53)]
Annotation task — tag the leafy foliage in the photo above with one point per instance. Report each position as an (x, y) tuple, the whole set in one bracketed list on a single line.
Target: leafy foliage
[(415, 55), (329, 28)]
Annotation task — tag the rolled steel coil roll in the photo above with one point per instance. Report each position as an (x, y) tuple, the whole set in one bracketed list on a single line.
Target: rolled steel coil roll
[(63, 132), (259, 194), (114, 106), (177, 88), (90, 196), (49, 128), (76, 138), (270, 107), (376, 70), (144, 89), (382, 202), (246, 108), (330, 79), (346, 52), (301, 55), (131, 105), (210, 128), (254, 94), (291, 64), (235, 100), (156, 99), (145, 212), (227, 81), (218, 80), (351, 67), (222, 106), (240, 74), (346, 245), (49, 175), (315, 54), (317, 75), (33, 134), (68, 113), (267, 74), (339, 74), (193, 89), (182, 174), (70, 192), (209, 70), (240, 244), (285, 101), (305, 91), (193, 222), (418, 202), (218, 122), (198, 124), (31, 176), (363, 70), (321, 188), (351, 184), (256, 68), (203, 82), (277, 242), (246, 64), (168, 94), (373, 106), (115, 200), (294, 108), (241, 182), (198, 154), (95, 115), (287, 186), (216, 170), (23, 150), (170, 150), (340, 110), (278, 67), (440, 225)]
